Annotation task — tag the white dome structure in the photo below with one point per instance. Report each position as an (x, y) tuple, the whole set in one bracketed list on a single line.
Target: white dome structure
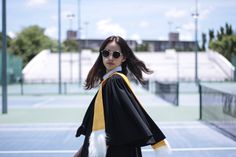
[(167, 66)]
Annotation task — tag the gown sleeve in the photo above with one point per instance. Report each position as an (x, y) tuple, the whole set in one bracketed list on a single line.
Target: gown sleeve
[(127, 123), (85, 127)]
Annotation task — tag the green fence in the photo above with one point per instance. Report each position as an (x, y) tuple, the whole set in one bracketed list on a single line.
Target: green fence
[(233, 61), (14, 68)]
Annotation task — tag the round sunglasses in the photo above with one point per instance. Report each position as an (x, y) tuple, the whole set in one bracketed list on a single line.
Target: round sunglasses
[(106, 53)]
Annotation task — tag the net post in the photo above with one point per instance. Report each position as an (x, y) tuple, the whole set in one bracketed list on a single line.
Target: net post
[(65, 88), (200, 101), (22, 86), (177, 93)]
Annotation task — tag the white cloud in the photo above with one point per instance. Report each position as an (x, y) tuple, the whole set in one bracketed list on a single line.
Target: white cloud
[(174, 13), (161, 37), (136, 37), (204, 13), (11, 34), (187, 35), (108, 27), (36, 3), (144, 24), (188, 26), (51, 32), (186, 31), (54, 17)]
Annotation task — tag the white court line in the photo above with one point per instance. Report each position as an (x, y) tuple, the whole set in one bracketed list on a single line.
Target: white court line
[(198, 149), (182, 123), (143, 150), (39, 124), (36, 129), (66, 128), (37, 151), (40, 104)]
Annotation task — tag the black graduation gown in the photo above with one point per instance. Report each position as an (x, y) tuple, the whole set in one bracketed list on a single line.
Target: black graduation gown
[(128, 126)]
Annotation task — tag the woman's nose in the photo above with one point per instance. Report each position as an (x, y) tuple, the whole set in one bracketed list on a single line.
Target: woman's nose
[(110, 57)]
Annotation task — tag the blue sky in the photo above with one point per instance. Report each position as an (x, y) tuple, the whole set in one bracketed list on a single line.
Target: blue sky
[(132, 19)]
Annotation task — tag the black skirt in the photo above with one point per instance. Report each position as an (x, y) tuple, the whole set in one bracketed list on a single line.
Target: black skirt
[(124, 151)]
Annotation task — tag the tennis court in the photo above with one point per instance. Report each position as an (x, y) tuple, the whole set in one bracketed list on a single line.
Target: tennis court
[(45, 125)]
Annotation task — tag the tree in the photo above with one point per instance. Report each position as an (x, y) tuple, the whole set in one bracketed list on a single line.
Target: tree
[(8, 41), (225, 43), (70, 45), (142, 47), (203, 41), (222, 31), (219, 35), (211, 37), (228, 29), (29, 42)]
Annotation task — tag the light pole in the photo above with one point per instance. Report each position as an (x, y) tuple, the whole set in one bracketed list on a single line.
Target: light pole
[(86, 34), (59, 46), (195, 16), (71, 17), (4, 58), (177, 53), (79, 47), (170, 24)]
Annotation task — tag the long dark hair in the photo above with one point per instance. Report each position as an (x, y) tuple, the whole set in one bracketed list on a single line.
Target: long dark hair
[(132, 64)]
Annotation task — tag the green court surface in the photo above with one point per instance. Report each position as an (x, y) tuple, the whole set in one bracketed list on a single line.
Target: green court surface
[(72, 115)]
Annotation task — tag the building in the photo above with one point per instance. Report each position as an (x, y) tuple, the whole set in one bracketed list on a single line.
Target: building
[(152, 45), (71, 35), (95, 44), (172, 43), (173, 36), (162, 45)]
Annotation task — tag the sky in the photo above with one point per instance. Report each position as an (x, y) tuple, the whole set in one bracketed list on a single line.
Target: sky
[(131, 19)]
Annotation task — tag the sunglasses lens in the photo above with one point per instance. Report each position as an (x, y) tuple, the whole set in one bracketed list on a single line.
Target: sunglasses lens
[(116, 54), (105, 53)]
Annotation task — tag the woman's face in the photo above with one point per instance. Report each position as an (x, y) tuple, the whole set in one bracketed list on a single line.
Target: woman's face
[(115, 57)]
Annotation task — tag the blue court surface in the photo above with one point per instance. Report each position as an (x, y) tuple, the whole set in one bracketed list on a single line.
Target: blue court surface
[(193, 139), (45, 125)]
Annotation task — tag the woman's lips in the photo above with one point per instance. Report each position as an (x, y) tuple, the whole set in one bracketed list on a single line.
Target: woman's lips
[(110, 63)]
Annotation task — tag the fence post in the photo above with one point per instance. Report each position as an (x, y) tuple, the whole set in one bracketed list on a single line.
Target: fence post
[(22, 86), (65, 88), (177, 90), (200, 101)]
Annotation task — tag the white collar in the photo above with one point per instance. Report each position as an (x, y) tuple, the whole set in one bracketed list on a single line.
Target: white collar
[(111, 72)]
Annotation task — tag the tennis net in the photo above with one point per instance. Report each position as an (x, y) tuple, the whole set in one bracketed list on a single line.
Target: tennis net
[(218, 108), (168, 91)]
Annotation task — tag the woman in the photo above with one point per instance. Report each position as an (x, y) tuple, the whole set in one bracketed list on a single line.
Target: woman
[(115, 123)]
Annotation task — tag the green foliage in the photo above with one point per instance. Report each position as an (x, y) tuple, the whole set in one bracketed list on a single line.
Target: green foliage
[(225, 43), (219, 36), (70, 45), (229, 30), (203, 42), (54, 46), (29, 42), (226, 46), (211, 37), (8, 41), (142, 47)]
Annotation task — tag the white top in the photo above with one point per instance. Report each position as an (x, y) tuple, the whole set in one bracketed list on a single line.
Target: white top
[(111, 72)]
